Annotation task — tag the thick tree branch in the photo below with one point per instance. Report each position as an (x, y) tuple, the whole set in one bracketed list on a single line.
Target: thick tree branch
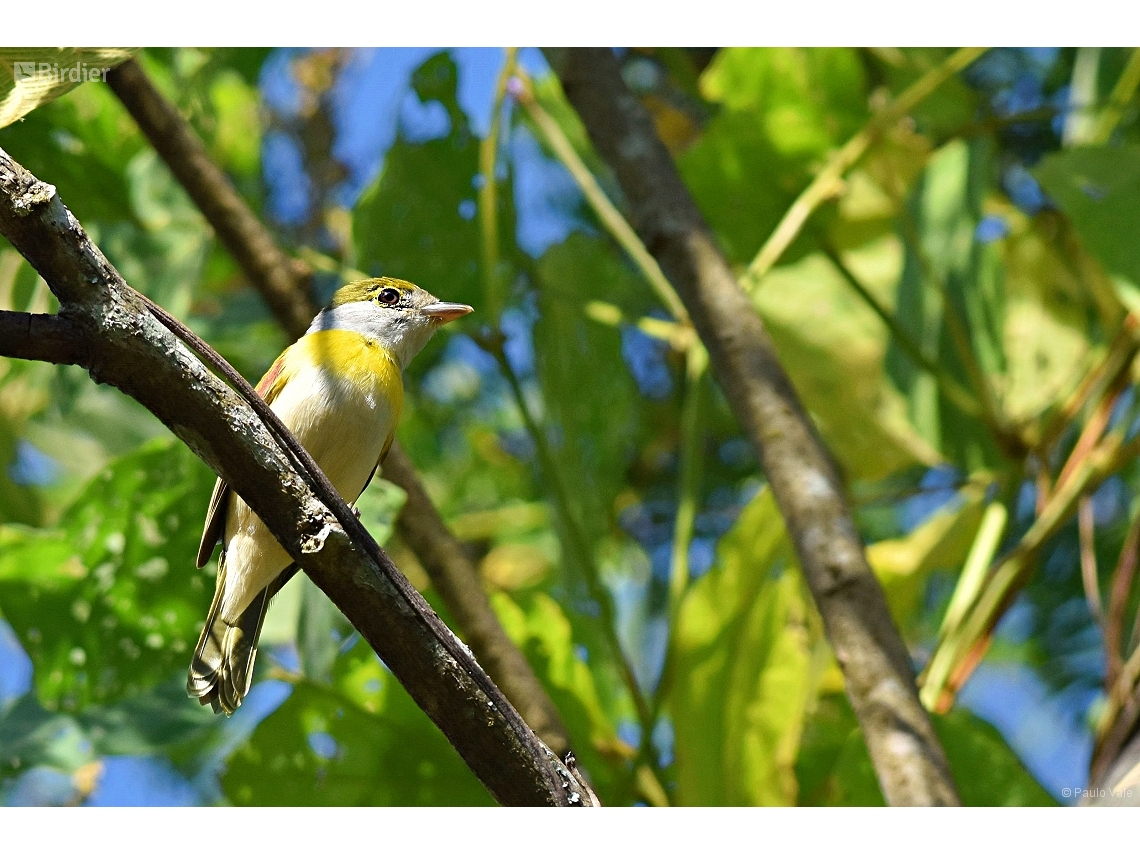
[(123, 343), (284, 283), (908, 759)]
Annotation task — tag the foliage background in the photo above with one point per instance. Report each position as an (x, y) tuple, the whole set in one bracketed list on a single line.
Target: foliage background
[(1001, 206)]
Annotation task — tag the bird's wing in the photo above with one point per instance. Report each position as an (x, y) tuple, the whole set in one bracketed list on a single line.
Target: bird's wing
[(380, 462), (268, 388)]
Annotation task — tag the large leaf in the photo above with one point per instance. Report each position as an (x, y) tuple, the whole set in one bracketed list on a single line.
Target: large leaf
[(590, 400), (109, 602), (417, 220), (835, 768), (833, 346), (903, 565), (360, 741), (32, 76), (1099, 188), (540, 629), (1048, 315), (742, 679), (941, 274), (784, 109)]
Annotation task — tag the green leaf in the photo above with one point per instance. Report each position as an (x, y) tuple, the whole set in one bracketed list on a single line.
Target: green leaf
[(361, 741), (742, 679), (162, 251), (160, 720), (806, 99), (903, 565), (834, 348), (1098, 187), (541, 630), (410, 223), (942, 271), (1048, 311), (33, 76), (81, 144), (321, 629), (109, 603), (985, 770), (32, 736), (784, 109), (592, 425)]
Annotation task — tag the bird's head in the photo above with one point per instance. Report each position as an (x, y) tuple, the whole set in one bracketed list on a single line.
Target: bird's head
[(396, 314)]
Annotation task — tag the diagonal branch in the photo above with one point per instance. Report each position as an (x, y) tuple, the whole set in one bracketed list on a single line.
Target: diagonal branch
[(126, 341), (880, 681), (283, 282)]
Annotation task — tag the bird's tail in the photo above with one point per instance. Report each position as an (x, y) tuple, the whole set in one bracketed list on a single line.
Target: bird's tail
[(222, 667)]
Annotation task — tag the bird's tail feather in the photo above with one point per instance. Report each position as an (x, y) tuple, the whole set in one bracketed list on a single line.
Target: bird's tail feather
[(222, 667)]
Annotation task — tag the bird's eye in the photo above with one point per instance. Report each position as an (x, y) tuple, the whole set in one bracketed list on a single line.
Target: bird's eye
[(389, 297)]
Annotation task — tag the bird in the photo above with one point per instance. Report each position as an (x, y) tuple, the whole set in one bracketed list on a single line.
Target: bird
[(339, 389)]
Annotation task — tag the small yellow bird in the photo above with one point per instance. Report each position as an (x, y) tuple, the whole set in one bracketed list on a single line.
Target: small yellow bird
[(339, 389)]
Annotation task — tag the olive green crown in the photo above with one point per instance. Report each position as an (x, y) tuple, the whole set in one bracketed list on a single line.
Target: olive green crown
[(369, 289)]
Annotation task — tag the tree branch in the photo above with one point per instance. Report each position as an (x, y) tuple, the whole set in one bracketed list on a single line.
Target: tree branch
[(283, 282), (44, 338), (908, 759), (122, 342)]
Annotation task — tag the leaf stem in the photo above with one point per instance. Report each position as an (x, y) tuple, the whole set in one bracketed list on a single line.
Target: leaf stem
[(1086, 530), (606, 211), (1122, 93), (493, 289), (951, 388), (688, 482)]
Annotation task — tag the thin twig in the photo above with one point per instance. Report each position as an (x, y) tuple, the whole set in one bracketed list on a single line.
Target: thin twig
[(611, 218), (1092, 432), (1117, 360), (1122, 578), (1086, 529), (1122, 94), (956, 656), (688, 478), (489, 197), (678, 336)]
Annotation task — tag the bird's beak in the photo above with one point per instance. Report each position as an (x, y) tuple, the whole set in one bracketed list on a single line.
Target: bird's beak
[(441, 312)]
